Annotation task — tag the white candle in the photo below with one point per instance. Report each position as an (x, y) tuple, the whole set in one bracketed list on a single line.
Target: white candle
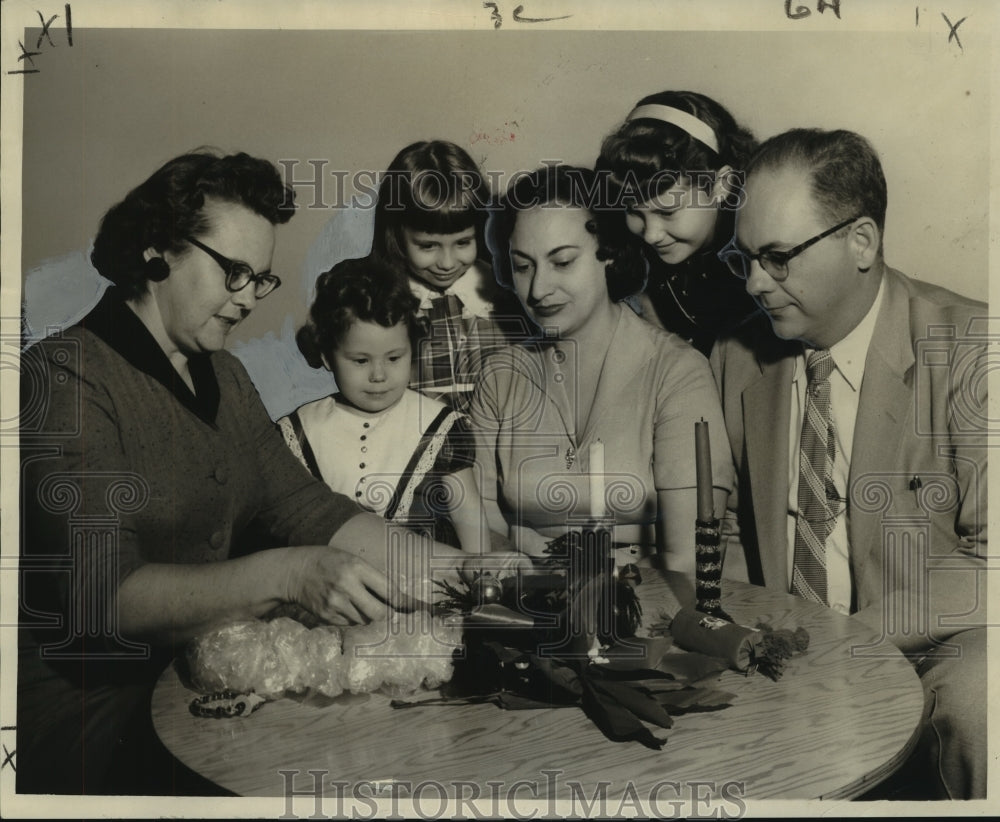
[(597, 508)]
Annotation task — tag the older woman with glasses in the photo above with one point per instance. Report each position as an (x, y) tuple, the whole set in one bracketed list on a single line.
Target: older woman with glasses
[(148, 463)]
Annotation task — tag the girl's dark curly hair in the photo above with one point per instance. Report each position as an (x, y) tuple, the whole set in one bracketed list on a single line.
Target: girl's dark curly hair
[(568, 186), (365, 289), (169, 206), (655, 155)]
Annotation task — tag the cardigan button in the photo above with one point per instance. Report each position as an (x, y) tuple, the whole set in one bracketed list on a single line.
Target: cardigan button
[(221, 475), (217, 540)]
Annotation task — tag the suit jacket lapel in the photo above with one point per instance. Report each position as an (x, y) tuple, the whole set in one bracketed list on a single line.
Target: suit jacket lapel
[(885, 407), (767, 415)]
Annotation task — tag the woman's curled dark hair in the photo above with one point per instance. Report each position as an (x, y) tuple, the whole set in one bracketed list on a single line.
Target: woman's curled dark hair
[(581, 188), (169, 206), (365, 289)]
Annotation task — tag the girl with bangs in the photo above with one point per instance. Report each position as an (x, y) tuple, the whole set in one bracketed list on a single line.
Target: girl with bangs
[(674, 167), (429, 220)]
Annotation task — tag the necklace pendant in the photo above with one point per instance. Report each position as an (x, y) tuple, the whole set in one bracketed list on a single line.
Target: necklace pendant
[(570, 457)]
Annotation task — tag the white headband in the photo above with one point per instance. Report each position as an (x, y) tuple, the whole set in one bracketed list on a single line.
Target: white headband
[(700, 130)]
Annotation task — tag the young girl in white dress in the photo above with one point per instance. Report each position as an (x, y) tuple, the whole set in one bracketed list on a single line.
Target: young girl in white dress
[(429, 220), (403, 455)]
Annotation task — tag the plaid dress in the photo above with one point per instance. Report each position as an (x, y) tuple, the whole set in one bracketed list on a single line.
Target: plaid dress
[(463, 325)]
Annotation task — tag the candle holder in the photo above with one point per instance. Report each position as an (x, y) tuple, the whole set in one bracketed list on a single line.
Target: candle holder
[(585, 555), (597, 541), (708, 568)]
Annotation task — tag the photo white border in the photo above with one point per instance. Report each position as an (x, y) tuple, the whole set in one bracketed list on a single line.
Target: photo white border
[(676, 15)]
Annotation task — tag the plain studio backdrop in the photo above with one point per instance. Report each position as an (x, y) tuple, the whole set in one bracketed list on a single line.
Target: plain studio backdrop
[(103, 114)]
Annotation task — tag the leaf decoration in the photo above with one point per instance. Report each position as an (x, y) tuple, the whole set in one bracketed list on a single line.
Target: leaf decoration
[(615, 720), (775, 646), (689, 700), (530, 643), (634, 698)]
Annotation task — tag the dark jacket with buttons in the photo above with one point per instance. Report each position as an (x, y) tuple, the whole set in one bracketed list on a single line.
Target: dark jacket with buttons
[(699, 299), (123, 465)]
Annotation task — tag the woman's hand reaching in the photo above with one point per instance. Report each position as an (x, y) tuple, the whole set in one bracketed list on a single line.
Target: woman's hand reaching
[(339, 587), (529, 541), (499, 564)]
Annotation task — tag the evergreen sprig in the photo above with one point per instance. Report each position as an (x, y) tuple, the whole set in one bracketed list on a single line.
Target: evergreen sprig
[(775, 647)]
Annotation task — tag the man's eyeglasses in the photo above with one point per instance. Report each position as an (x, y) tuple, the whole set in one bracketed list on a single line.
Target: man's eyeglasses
[(775, 263), (239, 274)]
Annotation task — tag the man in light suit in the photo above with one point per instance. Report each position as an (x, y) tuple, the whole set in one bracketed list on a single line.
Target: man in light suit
[(855, 405)]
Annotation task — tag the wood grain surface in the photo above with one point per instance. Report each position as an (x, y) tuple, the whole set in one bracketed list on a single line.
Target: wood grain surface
[(839, 721)]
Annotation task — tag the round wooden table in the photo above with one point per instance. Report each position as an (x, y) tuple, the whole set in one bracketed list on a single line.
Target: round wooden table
[(841, 719)]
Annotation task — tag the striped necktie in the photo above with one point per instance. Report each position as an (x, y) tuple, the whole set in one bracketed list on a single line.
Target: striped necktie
[(815, 519)]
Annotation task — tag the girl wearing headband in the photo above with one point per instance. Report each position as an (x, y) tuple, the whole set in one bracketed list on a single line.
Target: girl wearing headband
[(673, 169)]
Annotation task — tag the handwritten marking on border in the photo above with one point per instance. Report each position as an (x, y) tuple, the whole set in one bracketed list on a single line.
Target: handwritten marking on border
[(805, 11), (46, 34), (953, 33), (519, 17)]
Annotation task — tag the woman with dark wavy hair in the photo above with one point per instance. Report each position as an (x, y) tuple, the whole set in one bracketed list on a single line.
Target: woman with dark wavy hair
[(596, 374), (674, 171), (153, 465)]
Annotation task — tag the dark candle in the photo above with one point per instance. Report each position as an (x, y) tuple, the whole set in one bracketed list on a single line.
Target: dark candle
[(703, 466)]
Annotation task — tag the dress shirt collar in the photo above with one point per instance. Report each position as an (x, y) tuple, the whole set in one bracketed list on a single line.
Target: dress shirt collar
[(850, 353), (118, 326)]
